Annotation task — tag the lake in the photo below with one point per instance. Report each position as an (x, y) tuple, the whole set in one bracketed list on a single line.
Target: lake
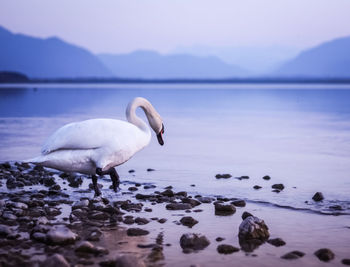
[(297, 134)]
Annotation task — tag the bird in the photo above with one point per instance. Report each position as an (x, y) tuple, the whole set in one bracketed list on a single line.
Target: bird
[(96, 146)]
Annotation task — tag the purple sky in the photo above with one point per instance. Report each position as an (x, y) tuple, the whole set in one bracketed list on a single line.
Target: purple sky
[(163, 25)]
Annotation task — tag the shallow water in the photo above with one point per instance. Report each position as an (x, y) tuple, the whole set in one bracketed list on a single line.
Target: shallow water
[(297, 134)]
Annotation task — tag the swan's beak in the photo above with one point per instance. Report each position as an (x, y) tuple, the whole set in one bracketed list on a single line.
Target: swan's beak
[(160, 136)]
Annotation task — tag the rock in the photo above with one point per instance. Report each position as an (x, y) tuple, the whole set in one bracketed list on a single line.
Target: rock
[(133, 188), (244, 177), (181, 193), (141, 221), (128, 261), (41, 237), (168, 193), (336, 207), (277, 242), (87, 247), (128, 220), (131, 206), (278, 186), (266, 177), (193, 241), (136, 232), (74, 181), (5, 165), (54, 261), (257, 187), (276, 191), (156, 254), (219, 239), (60, 235), (324, 254), (163, 220), (253, 228), (81, 204), (226, 249), (205, 199), (293, 255), (5, 231), (345, 261), (178, 206), (245, 215), (150, 170), (94, 235), (148, 210), (223, 176), (318, 196), (191, 201), (55, 187), (224, 209), (239, 203), (188, 221), (49, 181), (131, 171)]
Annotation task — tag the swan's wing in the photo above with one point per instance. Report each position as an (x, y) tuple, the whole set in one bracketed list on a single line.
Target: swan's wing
[(88, 134)]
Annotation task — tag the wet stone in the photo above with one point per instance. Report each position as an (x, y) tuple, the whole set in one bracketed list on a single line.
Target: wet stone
[(136, 232), (128, 220), (253, 228), (55, 260), (205, 199), (257, 187), (324, 254), (293, 255), (277, 242), (163, 220), (194, 241), (188, 221), (128, 261), (87, 247), (5, 231), (181, 193), (345, 261), (278, 186), (167, 193), (266, 177), (141, 221), (238, 203), (223, 176), (150, 170), (94, 235), (60, 235), (226, 249), (219, 239), (318, 196), (50, 181), (133, 188), (191, 201), (178, 206), (244, 177), (224, 209)]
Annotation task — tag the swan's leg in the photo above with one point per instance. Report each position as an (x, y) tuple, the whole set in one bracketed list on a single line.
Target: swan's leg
[(113, 174), (94, 182), (115, 179)]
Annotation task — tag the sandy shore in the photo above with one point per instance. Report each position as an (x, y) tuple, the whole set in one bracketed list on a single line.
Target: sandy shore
[(49, 217)]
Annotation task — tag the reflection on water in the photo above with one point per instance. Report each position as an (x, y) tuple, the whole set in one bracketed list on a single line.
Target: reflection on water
[(301, 138)]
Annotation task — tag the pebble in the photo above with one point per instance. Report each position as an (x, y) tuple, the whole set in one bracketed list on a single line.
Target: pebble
[(60, 235), (324, 254), (205, 199), (136, 232), (253, 228), (128, 261), (178, 206), (293, 255), (55, 260), (188, 221), (345, 261), (238, 203), (257, 187), (318, 196), (194, 241), (224, 209), (278, 186), (163, 220), (141, 221), (226, 249), (266, 177), (277, 242), (219, 239), (223, 176)]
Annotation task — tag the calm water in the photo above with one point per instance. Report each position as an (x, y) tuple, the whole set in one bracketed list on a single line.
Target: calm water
[(299, 135)]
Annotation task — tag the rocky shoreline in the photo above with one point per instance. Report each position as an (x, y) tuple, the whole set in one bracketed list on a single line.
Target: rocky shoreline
[(44, 222)]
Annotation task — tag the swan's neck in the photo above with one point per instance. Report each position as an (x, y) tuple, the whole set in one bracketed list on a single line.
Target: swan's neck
[(134, 119)]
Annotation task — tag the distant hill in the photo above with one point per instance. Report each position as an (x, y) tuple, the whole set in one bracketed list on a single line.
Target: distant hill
[(47, 58), (328, 60), (12, 77), (152, 65)]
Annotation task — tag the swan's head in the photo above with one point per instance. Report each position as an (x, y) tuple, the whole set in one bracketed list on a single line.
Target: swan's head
[(157, 125)]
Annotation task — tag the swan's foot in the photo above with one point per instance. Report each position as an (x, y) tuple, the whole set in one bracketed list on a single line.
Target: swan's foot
[(94, 183), (113, 174)]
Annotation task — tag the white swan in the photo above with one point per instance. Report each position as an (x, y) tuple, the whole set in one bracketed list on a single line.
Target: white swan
[(96, 146)]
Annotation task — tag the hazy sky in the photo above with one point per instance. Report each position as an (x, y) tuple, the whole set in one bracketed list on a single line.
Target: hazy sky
[(163, 25)]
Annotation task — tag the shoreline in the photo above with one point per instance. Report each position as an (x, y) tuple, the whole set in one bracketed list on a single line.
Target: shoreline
[(144, 206)]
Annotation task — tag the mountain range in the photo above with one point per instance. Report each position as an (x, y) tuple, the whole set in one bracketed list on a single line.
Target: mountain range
[(54, 58)]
